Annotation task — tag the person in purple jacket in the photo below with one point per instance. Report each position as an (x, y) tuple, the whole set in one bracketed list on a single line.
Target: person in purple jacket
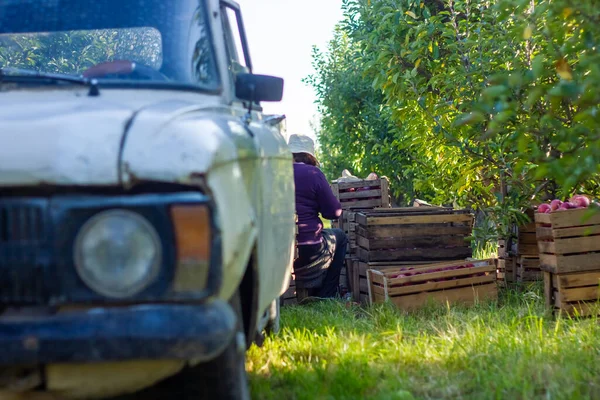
[(321, 252)]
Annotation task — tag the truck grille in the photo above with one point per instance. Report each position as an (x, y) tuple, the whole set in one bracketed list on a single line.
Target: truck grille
[(24, 252)]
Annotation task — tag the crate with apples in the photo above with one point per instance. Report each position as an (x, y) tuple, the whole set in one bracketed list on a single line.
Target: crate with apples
[(372, 192), (357, 271), (413, 287), (568, 236)]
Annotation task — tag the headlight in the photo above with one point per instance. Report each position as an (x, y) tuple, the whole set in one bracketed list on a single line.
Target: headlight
[(118, 253)]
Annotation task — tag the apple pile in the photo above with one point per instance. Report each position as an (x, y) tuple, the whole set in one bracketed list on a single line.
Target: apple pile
[(412, 271), (577, 201)]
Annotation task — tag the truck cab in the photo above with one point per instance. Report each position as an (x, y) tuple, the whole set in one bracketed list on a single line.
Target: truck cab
[(146, 202)]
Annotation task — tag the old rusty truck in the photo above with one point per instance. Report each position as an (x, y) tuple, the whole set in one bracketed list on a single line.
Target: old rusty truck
[(146, 201)]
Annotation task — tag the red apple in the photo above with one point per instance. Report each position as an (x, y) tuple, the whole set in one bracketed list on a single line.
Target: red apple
[(544, 208), (581, 200), (567, 206), (555, 204)]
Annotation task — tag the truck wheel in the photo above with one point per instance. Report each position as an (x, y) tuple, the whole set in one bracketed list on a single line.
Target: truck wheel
[(223, 378)]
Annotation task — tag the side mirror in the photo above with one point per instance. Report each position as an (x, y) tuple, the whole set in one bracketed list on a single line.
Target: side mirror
[(257, 88)]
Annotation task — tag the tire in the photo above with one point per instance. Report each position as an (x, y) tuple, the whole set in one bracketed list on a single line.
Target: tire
[(273, 325), (223, 378)]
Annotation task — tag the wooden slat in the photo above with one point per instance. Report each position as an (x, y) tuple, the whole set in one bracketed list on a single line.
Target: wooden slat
[(588, 293), (350, 216), (549, 233), (397, 264), (440, 285), (415, 254), (577, 263), (413, 219), (390, 269), (361, 203), (545, 233), (357, 184), (577, 280), (527, 238), (431, 276), (413, 211), (542, 218), (364, 288), (467, 295), (385, 194), (401, 231), (546, 248), (360, 194), (572, 245), (411, 242), (355, 280), (528, 249), (530, 262), (529, 228), (568, 218)]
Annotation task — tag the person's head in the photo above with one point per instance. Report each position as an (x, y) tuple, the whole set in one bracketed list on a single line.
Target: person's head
[(303, 149)]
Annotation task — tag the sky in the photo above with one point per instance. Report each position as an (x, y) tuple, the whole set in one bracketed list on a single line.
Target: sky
[(281, 34)]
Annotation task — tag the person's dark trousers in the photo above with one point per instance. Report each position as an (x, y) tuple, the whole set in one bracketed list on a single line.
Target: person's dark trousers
[(331, 282), (318, 267)]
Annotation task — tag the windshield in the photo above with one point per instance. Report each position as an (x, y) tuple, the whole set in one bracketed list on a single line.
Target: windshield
[(132, 42)]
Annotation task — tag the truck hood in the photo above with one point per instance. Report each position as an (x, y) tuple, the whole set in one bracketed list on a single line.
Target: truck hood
[(68, 140)]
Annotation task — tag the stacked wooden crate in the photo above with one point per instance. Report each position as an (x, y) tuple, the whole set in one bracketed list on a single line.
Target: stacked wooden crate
[(569, 246), (355, 196), (527, 253), (406, 237), (413, 234), (363, 194), (506, 263)]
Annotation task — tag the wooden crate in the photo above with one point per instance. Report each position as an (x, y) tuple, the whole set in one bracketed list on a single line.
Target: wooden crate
[(499, 270), (413, 234), (528, 269), (344, 281), (569, 241), (410, 289), (363, 193), (574, 293), (526, 240), (507, 270), (358, 276), (347, 223)]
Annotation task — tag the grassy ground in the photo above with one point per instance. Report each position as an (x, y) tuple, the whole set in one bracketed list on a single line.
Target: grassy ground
[(510, 349)]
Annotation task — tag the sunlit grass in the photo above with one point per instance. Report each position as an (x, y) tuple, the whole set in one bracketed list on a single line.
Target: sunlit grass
[(511, 349)]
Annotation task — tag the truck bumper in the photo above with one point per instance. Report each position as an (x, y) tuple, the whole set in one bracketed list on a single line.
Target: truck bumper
[(146, 332)]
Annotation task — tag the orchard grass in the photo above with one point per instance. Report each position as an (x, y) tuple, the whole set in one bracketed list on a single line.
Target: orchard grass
[(510, 349)]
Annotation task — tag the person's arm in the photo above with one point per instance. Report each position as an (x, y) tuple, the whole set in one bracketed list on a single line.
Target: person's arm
[(329, 205)]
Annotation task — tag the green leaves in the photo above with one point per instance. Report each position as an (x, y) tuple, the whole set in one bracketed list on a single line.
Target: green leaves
[(471, 99), (469, 119)]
